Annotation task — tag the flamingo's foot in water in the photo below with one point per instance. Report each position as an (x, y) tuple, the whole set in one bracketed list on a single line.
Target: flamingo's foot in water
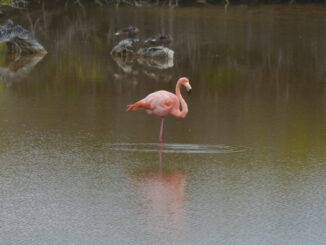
[(160, 140)]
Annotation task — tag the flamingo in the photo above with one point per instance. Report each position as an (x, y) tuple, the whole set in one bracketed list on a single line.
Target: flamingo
[(163, 103)]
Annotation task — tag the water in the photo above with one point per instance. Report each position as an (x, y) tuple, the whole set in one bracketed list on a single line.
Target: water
[(246, 166), (175, 148)]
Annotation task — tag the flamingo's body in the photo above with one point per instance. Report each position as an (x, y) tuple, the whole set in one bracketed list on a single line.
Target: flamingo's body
[(163, 103)]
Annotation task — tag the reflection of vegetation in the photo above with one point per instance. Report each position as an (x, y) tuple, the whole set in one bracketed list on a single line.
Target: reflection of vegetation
[(83, 73), (15, 3), (219, 77), (5, 1), (145, 3), (3, 49)]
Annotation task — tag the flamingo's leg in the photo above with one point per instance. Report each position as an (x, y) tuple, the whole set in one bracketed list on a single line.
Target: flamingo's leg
[(160, 139)]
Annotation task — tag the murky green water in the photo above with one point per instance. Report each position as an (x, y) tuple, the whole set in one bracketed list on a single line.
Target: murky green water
[(246, 166)]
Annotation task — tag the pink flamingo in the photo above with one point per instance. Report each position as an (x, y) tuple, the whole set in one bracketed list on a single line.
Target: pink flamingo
[(162, 103)]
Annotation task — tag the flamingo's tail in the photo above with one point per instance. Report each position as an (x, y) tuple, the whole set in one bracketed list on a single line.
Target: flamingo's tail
[(138, 105)]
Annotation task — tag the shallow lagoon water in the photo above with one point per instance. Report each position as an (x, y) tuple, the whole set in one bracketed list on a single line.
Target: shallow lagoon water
[(175, 148), (246, 166)]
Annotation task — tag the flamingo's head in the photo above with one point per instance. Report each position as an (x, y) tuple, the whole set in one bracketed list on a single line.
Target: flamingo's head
[(185, 82)]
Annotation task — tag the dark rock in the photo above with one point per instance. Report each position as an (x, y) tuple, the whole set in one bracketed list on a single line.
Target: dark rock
[(19, 40)]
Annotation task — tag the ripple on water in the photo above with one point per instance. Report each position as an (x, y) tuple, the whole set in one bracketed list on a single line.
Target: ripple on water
[(176, 148)]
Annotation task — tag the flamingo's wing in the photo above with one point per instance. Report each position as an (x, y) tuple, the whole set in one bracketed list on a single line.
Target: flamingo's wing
[(160, 98), (162, 102), (138, 105)]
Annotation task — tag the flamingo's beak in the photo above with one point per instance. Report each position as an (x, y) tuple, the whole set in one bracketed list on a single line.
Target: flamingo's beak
[(188, 87)]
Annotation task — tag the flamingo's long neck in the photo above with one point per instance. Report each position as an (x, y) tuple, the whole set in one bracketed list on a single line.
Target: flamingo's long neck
[(184, 106)]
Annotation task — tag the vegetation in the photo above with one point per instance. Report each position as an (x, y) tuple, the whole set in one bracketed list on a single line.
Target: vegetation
[(140, 3)]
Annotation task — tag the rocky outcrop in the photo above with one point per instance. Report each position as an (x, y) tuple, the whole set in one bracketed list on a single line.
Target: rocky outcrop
[(19, 40), (130, 31), (158, 39), (159, 52)]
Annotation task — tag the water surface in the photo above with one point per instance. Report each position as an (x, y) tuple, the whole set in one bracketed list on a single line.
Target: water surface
[(246, 166)]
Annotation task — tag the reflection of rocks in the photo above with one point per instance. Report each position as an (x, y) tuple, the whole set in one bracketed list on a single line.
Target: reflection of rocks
[(17, 66), (156, 63), (158, 76), (124, 62), (123, 77), (125, 47), (19, 40)]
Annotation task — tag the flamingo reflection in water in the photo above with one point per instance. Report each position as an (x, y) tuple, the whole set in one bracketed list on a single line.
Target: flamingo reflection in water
[(164, 192)]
